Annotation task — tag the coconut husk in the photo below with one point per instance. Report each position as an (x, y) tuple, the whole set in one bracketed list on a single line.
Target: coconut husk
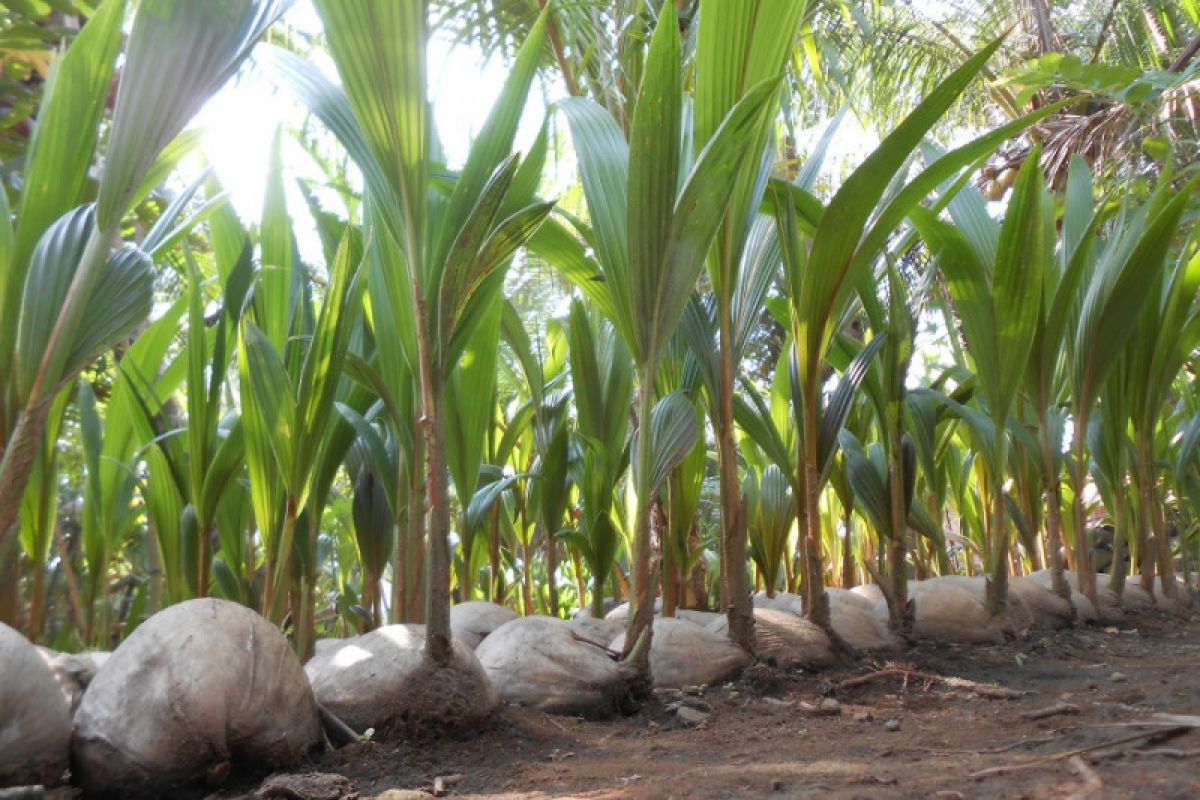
[(471, 622), (600, 632), (1085, 610), (35, 716), (1048, 610), (542, 663), (383, 680), (195, 689), (684, 654), (785, 640), (952, 611), (74, 671), (860, 627)]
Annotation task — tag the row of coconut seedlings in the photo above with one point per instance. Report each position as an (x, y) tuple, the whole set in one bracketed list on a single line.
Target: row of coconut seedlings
[(207, 685)]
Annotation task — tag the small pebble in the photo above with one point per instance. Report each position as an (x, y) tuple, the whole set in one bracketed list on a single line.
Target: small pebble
[(691, 717), (1118, 677), (863, 716), (892, 724), (830, 707)]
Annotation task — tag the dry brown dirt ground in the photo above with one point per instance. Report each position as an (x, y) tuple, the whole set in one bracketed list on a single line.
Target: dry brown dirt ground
[(950, 739)]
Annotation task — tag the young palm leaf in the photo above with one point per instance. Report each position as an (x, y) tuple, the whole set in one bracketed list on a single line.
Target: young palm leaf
[(453, 268), (98, 297)]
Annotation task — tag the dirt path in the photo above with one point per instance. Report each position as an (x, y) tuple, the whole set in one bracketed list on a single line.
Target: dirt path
[(758, 741)]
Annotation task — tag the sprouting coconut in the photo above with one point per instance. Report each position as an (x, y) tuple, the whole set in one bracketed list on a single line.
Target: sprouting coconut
[(785, 639), (542, 663), (196, 689), (684, 654), (474, 620), (384, 679)]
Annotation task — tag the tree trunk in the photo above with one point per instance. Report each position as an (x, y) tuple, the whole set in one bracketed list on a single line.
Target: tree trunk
[(577, 575), (10, 599), (848, 581), (416, 551), (898, 617), (494, 555), (1120, 545), (997, 581), (16, 466), (437, 586), (735, 594), (670, 568), (466, 582), (551, 569), (306, 626), (816, 601), (1084, 570), (1052, 490), (1158, 523), (598, 580), (399, 611), (640, 629), (527, 578), (696, 588)]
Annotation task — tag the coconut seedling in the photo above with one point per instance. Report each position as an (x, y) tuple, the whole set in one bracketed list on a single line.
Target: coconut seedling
[(652, 233), (995, 276), (1109, 446), (67, 295), (450, 266), (885, 385), (1045, 382), (1167, 333), (286, 422), (770, 508), (1124, 270), (738, 45), (825, 265), (542, 374), (599, 359)]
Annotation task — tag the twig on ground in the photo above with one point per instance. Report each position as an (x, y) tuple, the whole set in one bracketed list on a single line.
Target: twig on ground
[(1169, 752), (336, 730), (981, 689), (987, 751), (1004, 769), (613, 654), (443, 783), (1052, 711)]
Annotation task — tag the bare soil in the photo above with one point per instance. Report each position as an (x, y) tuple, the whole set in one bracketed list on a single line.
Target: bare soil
[(954, 739)]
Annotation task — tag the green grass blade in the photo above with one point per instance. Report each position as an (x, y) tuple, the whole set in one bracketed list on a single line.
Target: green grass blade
[(654, 175)]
